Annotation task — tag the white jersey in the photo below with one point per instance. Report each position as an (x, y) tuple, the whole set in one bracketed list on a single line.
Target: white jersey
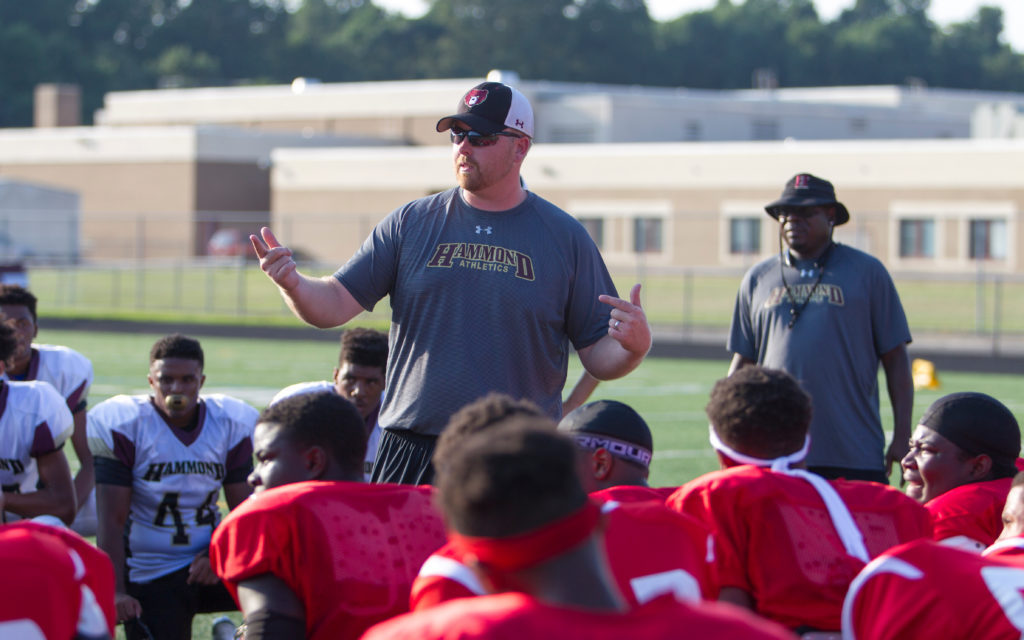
[(68, 371), (373, 438), (34, 421), (303, 387), (175, 475)]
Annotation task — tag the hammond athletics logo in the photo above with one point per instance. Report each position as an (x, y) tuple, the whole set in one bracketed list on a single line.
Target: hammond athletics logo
[(157, 470), (483, 257)]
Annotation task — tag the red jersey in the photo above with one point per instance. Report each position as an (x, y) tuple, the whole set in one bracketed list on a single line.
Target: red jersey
[(651, 551), (972, 511), (775, 540), (348, 550), (56, 584), (1010, 548), (515, 616), (927, 590), (633, 493)]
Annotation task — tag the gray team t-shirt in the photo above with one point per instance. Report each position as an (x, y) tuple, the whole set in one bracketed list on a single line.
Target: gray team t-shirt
[(481, 301), (833, 349)]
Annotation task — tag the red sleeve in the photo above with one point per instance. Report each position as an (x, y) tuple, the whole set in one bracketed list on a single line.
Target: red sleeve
[(249, 542), (443, 577), (430, 591), (40, 586), (971, 510)]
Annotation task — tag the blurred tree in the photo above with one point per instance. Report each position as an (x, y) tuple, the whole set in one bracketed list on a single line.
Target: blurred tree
[(106, 45)]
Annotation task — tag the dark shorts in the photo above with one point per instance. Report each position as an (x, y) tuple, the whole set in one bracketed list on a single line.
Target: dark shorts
[(404, 457), (834, 473), (169, 604)]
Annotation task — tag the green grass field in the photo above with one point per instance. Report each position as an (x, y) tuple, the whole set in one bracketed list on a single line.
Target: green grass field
[(669, 394)]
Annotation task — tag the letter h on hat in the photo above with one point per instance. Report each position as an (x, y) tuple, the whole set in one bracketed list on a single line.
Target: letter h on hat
[(806, 190)]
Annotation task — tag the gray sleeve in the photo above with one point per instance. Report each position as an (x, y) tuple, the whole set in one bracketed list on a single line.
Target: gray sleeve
[(587, 317), (742, 338), (370, 274), (888, 320)]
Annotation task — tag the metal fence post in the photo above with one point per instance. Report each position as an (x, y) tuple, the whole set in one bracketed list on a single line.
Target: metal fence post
[(997, 312)]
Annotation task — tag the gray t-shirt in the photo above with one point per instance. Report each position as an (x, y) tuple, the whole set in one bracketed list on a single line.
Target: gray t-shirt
[(481, 301), (833, 349)]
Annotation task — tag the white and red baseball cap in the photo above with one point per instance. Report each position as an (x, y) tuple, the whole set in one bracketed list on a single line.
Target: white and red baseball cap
[(490, 107)]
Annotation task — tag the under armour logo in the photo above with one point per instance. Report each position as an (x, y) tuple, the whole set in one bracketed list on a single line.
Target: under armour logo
[(486, 230), (519, 123), (804, 273)]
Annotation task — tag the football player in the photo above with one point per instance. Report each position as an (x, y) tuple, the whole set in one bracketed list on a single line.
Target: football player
[(961, 462), (70, 373), (316, 553), (161, 462), (787, 542), (517, 512)]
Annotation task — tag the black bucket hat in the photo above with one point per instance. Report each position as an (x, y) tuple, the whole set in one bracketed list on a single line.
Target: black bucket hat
[(805, 190)]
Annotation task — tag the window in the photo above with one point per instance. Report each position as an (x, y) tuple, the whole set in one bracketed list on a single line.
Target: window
[(647, 235), (987, 240), (568, 133), (595, 227), (917, 238), (692, 131), (764, 130), (744, 236)]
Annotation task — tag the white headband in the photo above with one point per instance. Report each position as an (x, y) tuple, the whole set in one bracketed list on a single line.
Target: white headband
[(842, 519), (776, 464)]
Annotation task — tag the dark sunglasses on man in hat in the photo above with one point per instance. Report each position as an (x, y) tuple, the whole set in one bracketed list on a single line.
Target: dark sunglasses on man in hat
[(478, 139)]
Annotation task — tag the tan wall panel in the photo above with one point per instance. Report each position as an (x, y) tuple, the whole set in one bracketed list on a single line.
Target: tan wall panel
[(136, 187), (136, 237)]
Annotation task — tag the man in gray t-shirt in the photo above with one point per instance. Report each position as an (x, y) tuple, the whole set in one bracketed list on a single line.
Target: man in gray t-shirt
[(489, 285), (828, 314)]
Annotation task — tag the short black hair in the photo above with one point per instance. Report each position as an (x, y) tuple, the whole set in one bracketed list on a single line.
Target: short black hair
[(761, 412), (15, 294), (8, 343), (177, 346), (509, 479), (364, 347), (323, 419), (483, 413)]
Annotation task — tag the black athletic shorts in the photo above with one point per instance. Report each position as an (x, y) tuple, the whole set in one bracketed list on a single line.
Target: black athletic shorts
[(404, 457), (169, 604)]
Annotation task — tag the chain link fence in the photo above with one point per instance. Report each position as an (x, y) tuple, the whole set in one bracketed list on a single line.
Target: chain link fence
[(212, 276)]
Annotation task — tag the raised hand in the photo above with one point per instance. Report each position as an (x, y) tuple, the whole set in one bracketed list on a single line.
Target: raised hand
[(275, 260), (628, 322)]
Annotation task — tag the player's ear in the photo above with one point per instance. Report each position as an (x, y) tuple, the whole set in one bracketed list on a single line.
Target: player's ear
[(603, 463), (316, 462), (202, 380), (981, 465)]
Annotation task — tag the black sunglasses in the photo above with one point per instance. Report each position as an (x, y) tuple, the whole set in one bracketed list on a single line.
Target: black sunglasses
[(804, 213), (478, 139)]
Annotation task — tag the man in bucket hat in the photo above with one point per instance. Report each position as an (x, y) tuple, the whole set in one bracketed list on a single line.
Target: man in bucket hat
[(489, 286), (828, 314)]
